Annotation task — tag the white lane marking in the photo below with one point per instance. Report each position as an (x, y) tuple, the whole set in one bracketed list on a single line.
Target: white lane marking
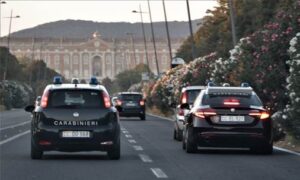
[(138, 148), (286, 150), (145, 158), (14, 137), (158, 173), (13, 126), (125, 132), (165, 118), (132, 141), (128, 135)]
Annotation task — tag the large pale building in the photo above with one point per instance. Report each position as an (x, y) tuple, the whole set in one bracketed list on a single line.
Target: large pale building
[(95, 56)]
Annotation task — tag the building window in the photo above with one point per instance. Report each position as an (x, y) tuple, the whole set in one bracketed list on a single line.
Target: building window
[(67, 74), (86, 73), (164, 60), (75, 59), (66, 60), (75, 72), (56, 61), (85, 58)]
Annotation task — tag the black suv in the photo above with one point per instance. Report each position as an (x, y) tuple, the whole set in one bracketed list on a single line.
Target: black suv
[(131, 104), (230, 117), (74, 117)]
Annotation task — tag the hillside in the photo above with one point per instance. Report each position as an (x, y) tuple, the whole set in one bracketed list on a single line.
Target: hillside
[(84, 29)]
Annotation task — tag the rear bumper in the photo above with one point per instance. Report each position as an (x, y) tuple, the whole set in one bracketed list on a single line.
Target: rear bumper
[(248, 138), (102, 139), (132, 112)]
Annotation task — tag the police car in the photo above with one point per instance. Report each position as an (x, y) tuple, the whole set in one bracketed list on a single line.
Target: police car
[(74, 117), (228, 117)]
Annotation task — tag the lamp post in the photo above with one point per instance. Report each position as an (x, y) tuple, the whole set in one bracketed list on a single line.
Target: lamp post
[(1, 2), (153, 39), (168, 34), (232, 20), (133, 46), (144, 35), (8, 43), (191, 29)]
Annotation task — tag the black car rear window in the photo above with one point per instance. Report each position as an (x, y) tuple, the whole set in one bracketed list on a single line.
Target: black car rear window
[(192, 95), (78, 98), (131, 97), (218, 101)]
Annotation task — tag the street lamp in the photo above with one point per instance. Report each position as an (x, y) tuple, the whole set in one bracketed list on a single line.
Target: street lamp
[(168, 34), (191, 29), (133, 47), (8, 41), (1, 2), (153, 38), (143, 28)]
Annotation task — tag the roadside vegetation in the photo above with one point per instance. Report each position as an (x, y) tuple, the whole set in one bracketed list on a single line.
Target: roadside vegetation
[(266, 56)]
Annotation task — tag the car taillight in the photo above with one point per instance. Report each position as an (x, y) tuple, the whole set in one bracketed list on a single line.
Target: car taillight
[(106, 99), (142, 102), (202, 113), (262, 115), (119, 102), (184, 98), (181, 112), (231, 102), (44, 100)]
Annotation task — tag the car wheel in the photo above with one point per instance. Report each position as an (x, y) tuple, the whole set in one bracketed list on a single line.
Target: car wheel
[(184, 140), (175, 134), (266, 149), (179, 135), (35, 152), (143, 117), (191, 147), (115, 152)]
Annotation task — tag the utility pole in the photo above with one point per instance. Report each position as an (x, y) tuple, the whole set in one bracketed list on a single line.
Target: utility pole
[(232, 20), (153, 39), (191, 29), (168, 34), (1, 2)]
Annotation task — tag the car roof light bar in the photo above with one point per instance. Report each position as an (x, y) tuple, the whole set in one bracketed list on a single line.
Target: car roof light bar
[(226, 91), (57, 80)]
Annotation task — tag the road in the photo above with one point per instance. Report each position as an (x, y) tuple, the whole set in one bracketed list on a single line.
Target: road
[(148, 152)]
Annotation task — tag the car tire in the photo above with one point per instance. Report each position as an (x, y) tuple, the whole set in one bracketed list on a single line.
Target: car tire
[(179, 135), (175, 134), (35, 152), (266, 149), (143, 117), (115, 152), (191, 146)]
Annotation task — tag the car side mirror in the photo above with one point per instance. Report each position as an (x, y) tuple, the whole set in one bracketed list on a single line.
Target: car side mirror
[(29, 108), (185, 106), (119, 108)]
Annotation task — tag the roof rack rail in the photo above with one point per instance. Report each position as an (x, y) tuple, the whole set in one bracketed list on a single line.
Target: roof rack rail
[(57, 80)]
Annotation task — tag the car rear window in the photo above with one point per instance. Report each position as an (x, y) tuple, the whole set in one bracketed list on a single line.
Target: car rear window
[(131, 97), (192, 95), (65, 98), (218, 101)]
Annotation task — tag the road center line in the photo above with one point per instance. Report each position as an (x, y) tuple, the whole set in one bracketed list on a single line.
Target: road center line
[(14, 137), (145, 158), (138, 148), (158, 173), (13, 126), (128, 135), (132, 141)]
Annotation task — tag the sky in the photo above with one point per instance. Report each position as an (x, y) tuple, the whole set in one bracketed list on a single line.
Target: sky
[(36, 12)]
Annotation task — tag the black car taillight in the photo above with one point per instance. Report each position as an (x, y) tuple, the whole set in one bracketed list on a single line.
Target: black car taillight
[(106, 100), (119, 102), (203, 113), (262, 115), (184, 98), (44, 100), (231, 102), (142, 102)]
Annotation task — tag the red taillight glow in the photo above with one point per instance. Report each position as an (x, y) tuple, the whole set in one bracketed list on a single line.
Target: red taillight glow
[(44, 100), (44, 142), (184, 98), (142, 102), (261, 115), (181, 112), (202, 113), (119, 102), (231, 102), (106, 99)]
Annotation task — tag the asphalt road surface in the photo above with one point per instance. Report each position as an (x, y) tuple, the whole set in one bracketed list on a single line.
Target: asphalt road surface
[(148, 152)]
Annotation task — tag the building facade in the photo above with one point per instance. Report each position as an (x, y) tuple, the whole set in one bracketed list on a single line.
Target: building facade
[(83, 58)]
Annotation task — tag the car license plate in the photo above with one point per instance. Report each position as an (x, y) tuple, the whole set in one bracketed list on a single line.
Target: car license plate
[(232, 118), (130, 104), (76, 134)]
